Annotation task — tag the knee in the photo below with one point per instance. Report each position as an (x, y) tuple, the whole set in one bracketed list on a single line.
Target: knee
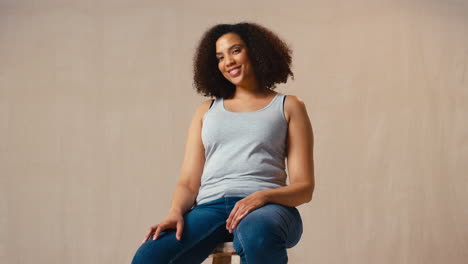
[(260, 243), (152, 252), (259, 234)]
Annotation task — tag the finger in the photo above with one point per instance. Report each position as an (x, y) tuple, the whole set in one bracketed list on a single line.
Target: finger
[(151, 231), (233, 221), (233, 212), (156, 233), (180, 227), (146, 237), (238, 219), (235, 215)]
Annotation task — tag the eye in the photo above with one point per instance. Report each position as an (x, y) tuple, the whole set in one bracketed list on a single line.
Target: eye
[(236, 51)]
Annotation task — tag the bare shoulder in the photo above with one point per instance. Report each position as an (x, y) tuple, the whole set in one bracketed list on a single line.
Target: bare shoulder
[(194, 157), (294, 106), (202, 108)]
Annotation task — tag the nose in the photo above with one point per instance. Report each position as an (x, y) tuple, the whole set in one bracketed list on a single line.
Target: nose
[(229, 61)]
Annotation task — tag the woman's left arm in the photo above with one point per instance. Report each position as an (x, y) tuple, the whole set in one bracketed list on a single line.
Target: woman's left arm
[(300, 161), (300, 158)]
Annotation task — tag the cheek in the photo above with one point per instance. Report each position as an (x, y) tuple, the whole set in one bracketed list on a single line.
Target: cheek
[(246, 62), (245, 57)]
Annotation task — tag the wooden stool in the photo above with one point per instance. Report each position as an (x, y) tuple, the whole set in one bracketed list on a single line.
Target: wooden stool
[(225, 253)]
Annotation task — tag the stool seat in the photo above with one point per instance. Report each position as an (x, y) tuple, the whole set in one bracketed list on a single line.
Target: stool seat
[(224, 253)]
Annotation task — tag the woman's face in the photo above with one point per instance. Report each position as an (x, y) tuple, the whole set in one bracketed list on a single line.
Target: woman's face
[(233, 60)]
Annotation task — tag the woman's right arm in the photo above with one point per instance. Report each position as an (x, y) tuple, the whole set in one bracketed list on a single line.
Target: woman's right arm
[(192, 166), (189, 181)]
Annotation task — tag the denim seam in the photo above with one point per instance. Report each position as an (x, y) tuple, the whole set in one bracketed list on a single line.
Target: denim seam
[(188, 248), (242, 244), (225, 205), (236, 230), (291, 219)]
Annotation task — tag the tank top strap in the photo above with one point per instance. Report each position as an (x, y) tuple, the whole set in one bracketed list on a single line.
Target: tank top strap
[(280, 104)]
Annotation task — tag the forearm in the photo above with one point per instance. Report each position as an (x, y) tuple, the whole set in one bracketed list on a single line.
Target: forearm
[(183, 199), (292, 195)]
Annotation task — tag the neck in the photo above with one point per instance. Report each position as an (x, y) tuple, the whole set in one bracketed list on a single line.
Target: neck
[(251, 90)]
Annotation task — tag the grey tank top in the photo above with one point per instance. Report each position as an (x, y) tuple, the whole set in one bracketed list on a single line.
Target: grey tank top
[(244, 152)]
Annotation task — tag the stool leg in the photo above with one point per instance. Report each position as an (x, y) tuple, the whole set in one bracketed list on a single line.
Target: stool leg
[(222, 260), (235, 259)]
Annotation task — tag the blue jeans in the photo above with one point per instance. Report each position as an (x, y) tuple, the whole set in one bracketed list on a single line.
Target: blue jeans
[(262, 236)]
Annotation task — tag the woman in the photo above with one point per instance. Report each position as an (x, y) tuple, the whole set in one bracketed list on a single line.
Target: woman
[(232, 185)]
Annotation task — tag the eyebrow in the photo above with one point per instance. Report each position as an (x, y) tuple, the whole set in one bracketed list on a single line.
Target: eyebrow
[(237, 44)]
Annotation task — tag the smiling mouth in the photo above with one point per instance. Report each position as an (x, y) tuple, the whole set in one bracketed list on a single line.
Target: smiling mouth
[(235, 72)]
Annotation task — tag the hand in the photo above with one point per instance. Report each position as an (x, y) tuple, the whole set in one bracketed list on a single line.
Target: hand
[(244, 207), (173, 221)]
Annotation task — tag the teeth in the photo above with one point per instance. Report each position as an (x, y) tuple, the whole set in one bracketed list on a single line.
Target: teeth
[(235, 71)]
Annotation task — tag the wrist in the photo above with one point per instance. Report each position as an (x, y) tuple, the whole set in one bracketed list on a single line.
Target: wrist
[(265, 194), (175, 211)]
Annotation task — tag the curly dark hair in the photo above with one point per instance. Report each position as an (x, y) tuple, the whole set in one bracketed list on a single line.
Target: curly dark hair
[(270, 57)]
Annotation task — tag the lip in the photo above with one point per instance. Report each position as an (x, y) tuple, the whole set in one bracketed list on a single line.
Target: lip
[(239, 71), (234, 68)]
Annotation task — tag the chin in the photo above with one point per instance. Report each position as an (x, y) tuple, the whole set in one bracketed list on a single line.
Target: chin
[(236, 83), (238, 80)]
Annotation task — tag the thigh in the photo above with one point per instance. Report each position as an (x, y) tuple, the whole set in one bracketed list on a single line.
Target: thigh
[(203, 229), (273, 222)]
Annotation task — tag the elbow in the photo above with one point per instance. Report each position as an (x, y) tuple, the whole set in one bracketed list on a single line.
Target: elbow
[(309, 193), (308, 198)]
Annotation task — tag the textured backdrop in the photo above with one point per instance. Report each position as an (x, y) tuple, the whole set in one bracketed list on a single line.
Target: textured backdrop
[(96, 98)]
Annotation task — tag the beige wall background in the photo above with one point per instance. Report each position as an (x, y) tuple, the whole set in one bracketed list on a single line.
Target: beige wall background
[(96, 99)]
